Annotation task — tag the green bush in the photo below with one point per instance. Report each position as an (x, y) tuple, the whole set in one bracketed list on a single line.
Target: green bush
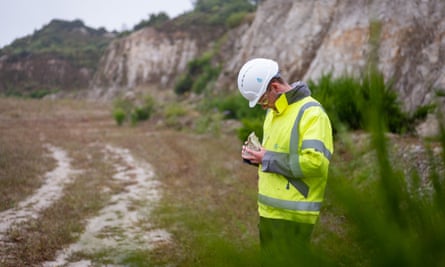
[(198, 75), (217, 12), (153, 21), (251, 125), (144, 112), (210, 122), (38, 94), (340, 98), (235, 106), (395, 120), (207, 75), (347, 100), (235, 19), (173, 113), (119, 115), (124, 108), (184, 84)]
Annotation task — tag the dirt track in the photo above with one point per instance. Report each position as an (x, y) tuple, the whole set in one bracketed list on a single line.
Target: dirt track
[(122, 224), (118, 226), (90, 189)]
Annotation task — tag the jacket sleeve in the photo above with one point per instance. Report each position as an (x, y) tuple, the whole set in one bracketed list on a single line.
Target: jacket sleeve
[(311, 158)]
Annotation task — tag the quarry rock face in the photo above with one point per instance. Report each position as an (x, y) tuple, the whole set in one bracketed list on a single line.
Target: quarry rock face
[(312, 38), (146, 56), (153, 57), (44, 70), (307, 38)]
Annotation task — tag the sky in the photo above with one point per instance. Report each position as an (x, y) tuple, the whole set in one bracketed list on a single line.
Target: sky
[(19, 18)]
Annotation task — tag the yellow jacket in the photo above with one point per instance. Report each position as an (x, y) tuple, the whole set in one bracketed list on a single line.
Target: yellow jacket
[(298, 142)]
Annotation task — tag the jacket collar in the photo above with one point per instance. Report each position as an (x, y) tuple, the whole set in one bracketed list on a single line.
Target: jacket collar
[(299, 91)]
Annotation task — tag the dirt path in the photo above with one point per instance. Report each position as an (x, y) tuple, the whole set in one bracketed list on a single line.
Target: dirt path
[(121, 227), (49, 192)]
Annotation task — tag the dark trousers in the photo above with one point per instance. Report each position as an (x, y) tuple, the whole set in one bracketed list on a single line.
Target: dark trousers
[(284, 243)]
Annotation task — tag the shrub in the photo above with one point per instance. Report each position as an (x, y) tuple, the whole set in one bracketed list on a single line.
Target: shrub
[(172, 115), (216, 12), (392, 116), (38, 94), (144, 112), (210, 122), (235, 106), (251, 125), (119, 115), (184, 84), (347, 101), (340, 98), (124, 108), (199, 73), (235, 19), (207, 75)]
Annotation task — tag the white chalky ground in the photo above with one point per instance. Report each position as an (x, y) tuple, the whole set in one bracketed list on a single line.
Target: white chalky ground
[(120, 227)]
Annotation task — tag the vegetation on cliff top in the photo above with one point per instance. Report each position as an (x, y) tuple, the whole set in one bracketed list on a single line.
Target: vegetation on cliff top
[(72, 41)]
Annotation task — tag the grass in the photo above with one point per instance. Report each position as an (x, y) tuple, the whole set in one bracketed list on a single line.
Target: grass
[(209, 195)]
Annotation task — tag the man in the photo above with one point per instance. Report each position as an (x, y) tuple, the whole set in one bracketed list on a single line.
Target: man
[(293, 161)]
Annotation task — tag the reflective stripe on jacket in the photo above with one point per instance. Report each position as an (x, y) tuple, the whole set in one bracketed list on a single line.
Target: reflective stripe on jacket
[(298, 142)]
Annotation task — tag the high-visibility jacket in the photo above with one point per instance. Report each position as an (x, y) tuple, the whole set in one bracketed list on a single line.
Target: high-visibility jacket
[(293, 173)]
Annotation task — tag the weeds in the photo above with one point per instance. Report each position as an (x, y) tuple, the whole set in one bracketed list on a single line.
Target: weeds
[(125, 109)]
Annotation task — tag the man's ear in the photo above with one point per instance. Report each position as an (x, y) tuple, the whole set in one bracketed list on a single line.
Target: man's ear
[(275, 87)]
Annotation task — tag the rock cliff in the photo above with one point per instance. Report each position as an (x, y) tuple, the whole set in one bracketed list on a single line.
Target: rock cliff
[(310, 38), (149, 57), (307, 38)]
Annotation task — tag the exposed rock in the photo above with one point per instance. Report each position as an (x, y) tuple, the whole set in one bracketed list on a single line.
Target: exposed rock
[(42, 72), (428, 128), (148, 56), (309, 38)]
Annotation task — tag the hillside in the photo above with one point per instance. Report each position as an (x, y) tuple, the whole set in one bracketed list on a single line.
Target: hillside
[(309, 40), (63, 55)]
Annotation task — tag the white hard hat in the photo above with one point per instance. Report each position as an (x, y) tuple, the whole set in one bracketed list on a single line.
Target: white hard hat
[(254, 77)]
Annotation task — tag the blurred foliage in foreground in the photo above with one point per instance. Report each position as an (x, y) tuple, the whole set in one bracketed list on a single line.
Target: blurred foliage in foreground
[(397, 219)]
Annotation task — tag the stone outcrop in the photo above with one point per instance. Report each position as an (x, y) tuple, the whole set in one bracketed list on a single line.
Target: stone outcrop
[(154, 57), (307, 38), (146, 56), (44, 72)]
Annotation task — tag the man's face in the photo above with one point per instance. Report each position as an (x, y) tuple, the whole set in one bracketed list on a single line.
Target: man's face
[(267, 100)]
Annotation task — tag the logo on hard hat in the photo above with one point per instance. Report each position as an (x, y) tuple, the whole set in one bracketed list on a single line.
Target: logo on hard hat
[(259, 80)]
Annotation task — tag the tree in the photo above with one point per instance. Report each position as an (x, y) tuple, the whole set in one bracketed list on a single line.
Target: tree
[(153, 20)]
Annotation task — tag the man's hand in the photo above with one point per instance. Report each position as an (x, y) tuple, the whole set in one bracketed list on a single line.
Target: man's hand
[(253, 156)]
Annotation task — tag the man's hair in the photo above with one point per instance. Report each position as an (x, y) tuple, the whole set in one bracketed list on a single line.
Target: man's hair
[(277, 79)]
